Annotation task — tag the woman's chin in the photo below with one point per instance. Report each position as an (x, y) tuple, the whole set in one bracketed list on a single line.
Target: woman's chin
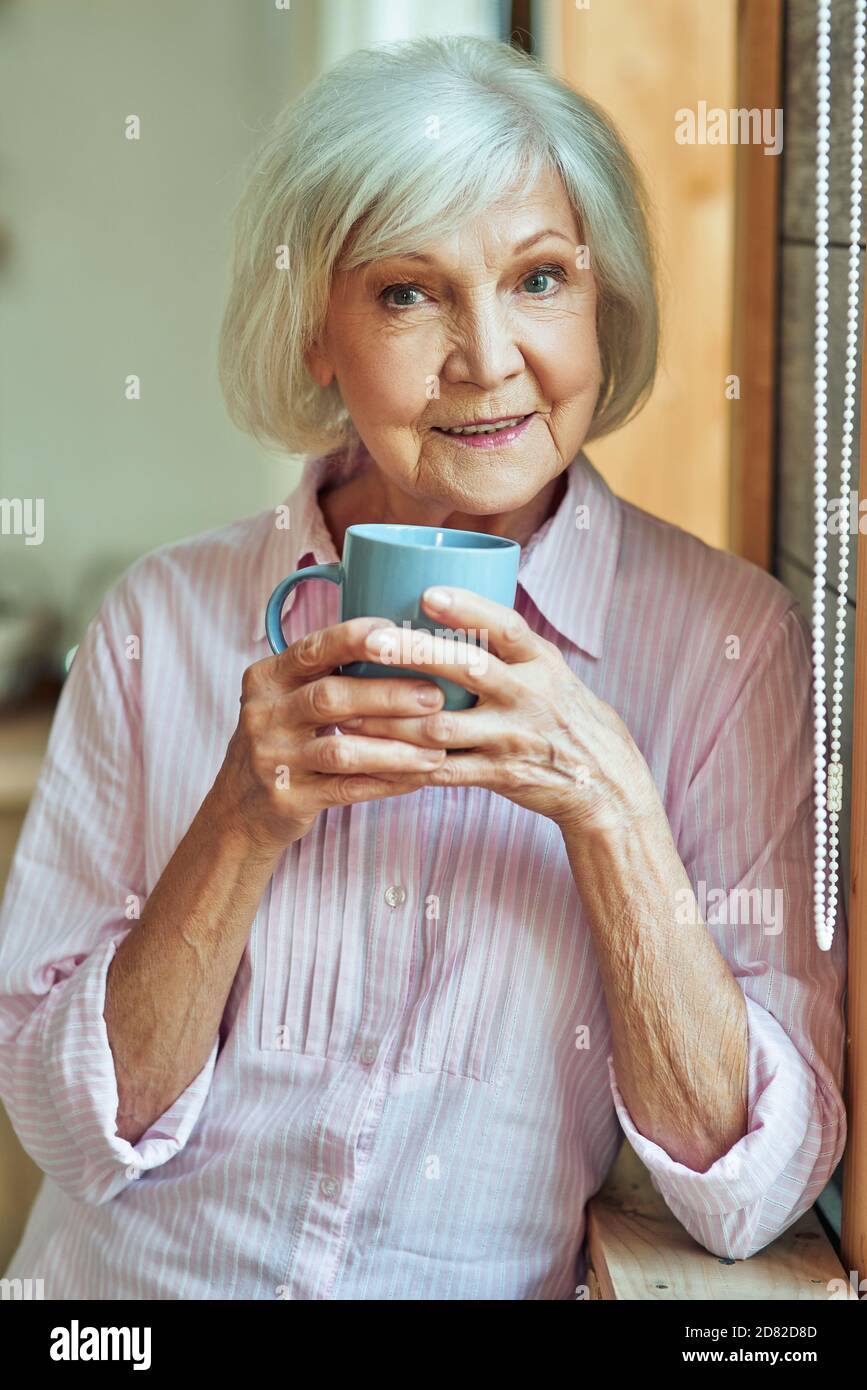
[(468, 510), (483, 483)]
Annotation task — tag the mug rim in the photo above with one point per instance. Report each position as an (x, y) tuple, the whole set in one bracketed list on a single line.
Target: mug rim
[(360, 528)]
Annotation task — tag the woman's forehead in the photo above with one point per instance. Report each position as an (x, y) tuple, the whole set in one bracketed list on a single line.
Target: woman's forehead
[(518, 219)]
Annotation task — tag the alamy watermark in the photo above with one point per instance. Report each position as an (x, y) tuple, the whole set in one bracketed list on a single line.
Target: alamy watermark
[(736, 126), (22, 1290), (755, 907), (77, 1343), (23, 516), (460, 646)]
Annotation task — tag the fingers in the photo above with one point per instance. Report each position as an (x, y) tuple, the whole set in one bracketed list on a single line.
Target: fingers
[(342, 791), (321, 650), (418, 650), (446, 729), (469, 770), (503, 631), (351, 755), (333, 698)]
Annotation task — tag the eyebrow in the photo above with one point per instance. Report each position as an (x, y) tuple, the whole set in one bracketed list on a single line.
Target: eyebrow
[(516, 250)]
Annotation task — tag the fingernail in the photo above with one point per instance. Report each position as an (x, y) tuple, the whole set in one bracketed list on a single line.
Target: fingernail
[(350, 723), (427, 694), (380, 640), (438, 598)]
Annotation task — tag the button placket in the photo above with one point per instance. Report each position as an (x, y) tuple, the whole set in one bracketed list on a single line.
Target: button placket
[(389, 949), (433, 855), (467, 997)]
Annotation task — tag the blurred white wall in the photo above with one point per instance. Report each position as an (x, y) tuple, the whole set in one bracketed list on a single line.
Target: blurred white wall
[(347, 24), (116, 257)]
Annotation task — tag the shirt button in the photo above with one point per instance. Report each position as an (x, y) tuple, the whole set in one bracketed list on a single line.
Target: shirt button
[(329, 1187), (395, 895), (369, 1054)]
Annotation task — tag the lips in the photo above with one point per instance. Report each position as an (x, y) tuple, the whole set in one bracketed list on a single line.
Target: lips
[(473, 427), (489, 434)]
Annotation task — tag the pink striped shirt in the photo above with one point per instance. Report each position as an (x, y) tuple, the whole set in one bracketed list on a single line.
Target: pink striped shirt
[(400, 1104)]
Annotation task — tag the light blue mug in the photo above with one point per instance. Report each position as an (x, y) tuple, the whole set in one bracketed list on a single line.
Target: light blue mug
[(384, 572)]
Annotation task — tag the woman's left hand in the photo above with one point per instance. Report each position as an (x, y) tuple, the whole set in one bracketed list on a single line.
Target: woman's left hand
[(537, 734)]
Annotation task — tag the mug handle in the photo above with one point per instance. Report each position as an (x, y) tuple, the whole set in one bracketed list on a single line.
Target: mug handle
[(274, 611)]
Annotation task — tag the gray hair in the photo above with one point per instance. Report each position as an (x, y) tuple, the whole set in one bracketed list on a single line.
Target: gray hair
[(392, 147)]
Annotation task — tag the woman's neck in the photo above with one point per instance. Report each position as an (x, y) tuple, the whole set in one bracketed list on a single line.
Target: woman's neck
[(366, 498)]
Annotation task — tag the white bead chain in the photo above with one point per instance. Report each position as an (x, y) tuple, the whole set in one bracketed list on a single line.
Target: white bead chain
[(829, 775)]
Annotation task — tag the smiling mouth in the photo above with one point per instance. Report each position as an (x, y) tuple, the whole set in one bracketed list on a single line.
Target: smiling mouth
[(484, 426)]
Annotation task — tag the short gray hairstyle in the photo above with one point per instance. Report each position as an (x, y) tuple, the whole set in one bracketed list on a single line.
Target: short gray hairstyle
[(389, 149)]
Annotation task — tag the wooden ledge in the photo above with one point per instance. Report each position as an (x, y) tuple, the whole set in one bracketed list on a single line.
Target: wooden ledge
[(23, 740), (638, 1250)]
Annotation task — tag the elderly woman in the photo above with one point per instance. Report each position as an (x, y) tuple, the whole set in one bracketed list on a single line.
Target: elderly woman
[(372, 1031)]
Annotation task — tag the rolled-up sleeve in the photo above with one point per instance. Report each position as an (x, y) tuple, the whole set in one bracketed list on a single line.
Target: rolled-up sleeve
[(746, 841), (75, 889)]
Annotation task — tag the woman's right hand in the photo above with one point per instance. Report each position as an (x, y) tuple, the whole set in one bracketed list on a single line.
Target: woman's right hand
[(281, 770)]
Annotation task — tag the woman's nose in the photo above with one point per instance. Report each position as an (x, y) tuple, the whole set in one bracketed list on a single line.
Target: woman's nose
[(483, 347)]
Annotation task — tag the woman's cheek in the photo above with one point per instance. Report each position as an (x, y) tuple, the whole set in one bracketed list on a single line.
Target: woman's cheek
[(567, 354), (401, 381)]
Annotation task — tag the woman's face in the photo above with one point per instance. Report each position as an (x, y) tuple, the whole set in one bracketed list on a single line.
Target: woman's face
[(498, 321)]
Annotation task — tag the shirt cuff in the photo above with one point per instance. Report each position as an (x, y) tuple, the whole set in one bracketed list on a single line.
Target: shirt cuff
[(82, 1084), (782, 1092)]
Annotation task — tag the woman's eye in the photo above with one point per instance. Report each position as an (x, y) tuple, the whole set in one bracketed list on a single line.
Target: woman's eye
[(403, 292), (540, 283), (534, 283)]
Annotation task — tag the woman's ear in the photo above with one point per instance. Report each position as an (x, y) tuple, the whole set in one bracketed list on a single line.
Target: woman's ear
[(319, 365)]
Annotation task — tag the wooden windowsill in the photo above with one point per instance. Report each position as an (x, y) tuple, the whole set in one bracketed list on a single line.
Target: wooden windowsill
[(23, 738), (638, 1250)]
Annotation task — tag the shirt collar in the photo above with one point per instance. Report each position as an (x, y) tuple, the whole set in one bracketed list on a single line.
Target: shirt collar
[(568, 567)]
